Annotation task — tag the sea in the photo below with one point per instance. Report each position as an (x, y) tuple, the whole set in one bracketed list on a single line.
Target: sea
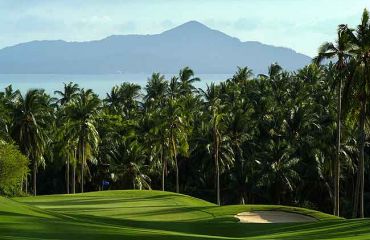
[(101, 84)]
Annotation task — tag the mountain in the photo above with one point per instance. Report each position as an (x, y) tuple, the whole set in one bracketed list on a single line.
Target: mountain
[(191, 44)]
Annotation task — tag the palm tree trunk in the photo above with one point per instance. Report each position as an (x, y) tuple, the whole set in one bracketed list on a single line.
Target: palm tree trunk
[(242, 199), (34, 177), (358, 208), (163, 169), (217, 175), (217, 168), (74, 179), (82, 167), (357, 193), (239, 164), (82, 177), (337, 162), (361, 158), (177, 176), (26, 184), (21, 186), (175, 160), (67, 176)]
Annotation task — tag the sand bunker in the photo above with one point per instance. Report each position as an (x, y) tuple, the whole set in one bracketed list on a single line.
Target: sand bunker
[(272, 217)]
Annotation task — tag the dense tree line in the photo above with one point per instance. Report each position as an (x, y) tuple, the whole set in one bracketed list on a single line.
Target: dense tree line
[(298, 138)]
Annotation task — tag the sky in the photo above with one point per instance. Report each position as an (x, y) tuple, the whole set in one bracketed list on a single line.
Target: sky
[(298, 24)]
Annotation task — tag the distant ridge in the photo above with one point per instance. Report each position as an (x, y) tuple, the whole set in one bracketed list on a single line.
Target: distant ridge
[(190, 44)]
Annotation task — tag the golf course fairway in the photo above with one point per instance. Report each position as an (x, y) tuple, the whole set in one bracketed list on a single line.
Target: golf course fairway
[(157, 215)]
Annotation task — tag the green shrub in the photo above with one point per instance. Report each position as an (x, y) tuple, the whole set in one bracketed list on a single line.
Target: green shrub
[(13, 169)]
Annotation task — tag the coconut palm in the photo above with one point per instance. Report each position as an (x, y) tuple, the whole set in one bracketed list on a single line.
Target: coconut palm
[(156, 89), (123, 99), (274, 70), (216, 121), (156, 141), (9, 96), (340, 50), (239, 127), (279, 173), (129, 94), (176, 134), (67, 152), (242, 75), (128, 159), (186, 80), (7, 100), (69, 92), (113, 100), (155, 100), (31, 116), (81, 113), (175, 126), (359, 86), (215, 108)]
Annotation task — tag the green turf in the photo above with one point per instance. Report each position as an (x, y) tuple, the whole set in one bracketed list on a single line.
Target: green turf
[(155, 215)]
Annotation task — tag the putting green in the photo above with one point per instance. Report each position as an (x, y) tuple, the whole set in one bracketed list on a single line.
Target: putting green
[(156, 215)]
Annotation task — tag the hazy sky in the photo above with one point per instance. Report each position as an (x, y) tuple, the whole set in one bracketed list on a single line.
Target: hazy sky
[(299, 24)]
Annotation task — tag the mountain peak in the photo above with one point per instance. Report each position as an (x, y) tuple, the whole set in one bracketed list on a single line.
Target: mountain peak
[(196, 31), (193, 24), (189, 27)]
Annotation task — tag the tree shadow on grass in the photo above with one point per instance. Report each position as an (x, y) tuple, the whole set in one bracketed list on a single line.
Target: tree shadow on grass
[(96, 227), (33, 228), (316, 230)]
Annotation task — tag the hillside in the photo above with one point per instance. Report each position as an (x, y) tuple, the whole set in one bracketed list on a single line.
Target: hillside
[(191, 44), (154, 215)]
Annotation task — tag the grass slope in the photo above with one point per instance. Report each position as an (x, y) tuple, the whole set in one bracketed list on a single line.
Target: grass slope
[(155, 215)]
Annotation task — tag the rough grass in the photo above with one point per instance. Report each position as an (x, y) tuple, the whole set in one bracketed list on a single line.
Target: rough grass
[(156, 215)]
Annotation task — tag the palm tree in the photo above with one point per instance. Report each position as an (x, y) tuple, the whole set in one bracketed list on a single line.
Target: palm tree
[(216, 117), (68, 152), (81, 113), (239, 125), (280, 172), (129, 94), (359, 85), (216, 121), (155, 100), (274, 70), (156, 140), (69, 92), (9, 96), (156, 89), (7, 100), (113, 100), (123, 99), (177, 134), (176, 126), (186, 80), (341, 51), (242, 75), (128, 159), (31, 116)]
